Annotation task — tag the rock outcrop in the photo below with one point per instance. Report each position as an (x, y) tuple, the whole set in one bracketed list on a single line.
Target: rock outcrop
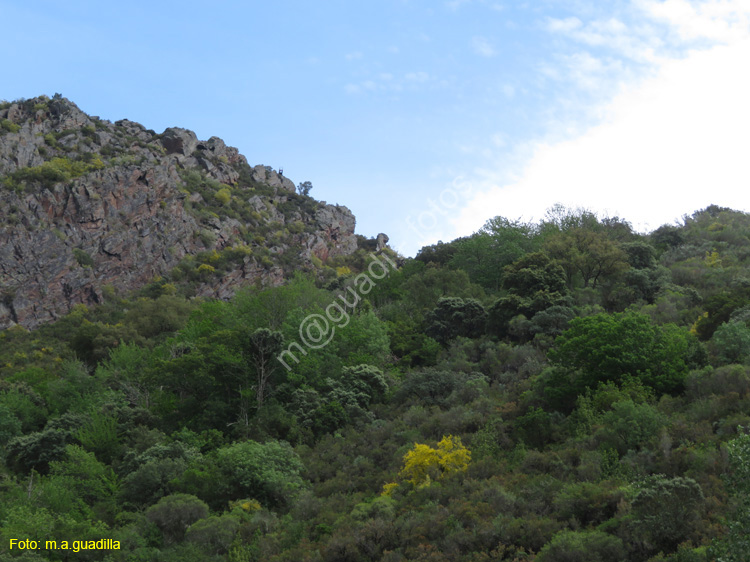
[(86, 204)]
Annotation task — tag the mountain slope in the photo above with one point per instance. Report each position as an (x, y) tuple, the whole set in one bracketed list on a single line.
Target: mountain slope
[(86, 204)]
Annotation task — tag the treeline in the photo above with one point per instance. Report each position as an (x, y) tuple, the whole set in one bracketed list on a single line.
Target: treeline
[(564, 390)]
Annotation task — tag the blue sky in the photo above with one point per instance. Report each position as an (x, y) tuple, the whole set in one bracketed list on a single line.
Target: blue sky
[(425, 117)]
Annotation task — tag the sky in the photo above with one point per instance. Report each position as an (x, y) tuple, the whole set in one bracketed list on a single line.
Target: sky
[(425, 117)]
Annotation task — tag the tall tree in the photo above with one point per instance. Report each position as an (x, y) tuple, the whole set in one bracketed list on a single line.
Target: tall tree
[(262, 348)]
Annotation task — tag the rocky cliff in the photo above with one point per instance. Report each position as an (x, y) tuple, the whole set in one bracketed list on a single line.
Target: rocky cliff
[(88, 206)]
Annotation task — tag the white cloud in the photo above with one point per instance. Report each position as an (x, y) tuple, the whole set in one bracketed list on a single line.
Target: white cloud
[(669, 144), (483, 47), (635, 42), (723, 21), (356, 55), (566, 25)]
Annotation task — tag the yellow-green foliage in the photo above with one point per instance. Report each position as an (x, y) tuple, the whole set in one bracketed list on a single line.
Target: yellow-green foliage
[(713, 259), (223, 196), (210, 257), (54, 171), (343, 270), (423, 463), (388, 489), (694, 327), (249, 505), (169, 289), (204, 268), (296, 227), (9, 126)]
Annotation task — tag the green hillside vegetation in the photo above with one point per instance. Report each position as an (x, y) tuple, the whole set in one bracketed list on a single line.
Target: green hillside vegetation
[(568, 390)]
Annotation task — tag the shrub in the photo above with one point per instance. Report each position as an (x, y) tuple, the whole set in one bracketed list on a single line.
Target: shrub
[(667, 510), (83, 258), (214, 533), (174, 514), (731, 343), (582, 546), (423, 463), (267, 471), (55, 171), (223, 196), (9, 126)]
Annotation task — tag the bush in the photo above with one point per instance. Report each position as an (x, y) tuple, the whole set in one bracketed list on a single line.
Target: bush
[(667, 510), (55, 171), (731, 343), (269, 472), (430, 386), (582, 546), (83, 258), (223, 196), (9, 127), (215, 534), (455, 317), (630, 426), (174, 514)]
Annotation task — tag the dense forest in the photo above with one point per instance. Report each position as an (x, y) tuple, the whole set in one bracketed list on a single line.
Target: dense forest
[(567, 390)]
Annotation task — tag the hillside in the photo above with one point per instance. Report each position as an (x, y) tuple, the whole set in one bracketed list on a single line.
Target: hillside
[(568, 390), (86, 204)]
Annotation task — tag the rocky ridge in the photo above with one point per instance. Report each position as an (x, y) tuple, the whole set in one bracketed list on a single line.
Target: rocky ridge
[(87, 205)]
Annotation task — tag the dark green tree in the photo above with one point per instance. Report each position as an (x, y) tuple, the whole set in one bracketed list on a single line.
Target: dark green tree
[(583, 546), (455, 317), (534, 283), (667, 510), (175, 513)]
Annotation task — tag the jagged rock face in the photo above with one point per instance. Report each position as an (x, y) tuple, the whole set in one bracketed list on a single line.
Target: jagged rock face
[(86, 203)]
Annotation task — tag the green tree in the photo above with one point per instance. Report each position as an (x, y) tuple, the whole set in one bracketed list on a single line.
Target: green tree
[(500, 242), (587, 253), (534, 284), (214, 534), (429, 385), (35, 451), (10, 426), (100, 435), (613, 347), (630, 426), (455, 317), (583, 546), (151, 474), (263, 347), (91, 480), (731, 343), (735, 544), (269, 472), (175, 513), (667, 510)]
